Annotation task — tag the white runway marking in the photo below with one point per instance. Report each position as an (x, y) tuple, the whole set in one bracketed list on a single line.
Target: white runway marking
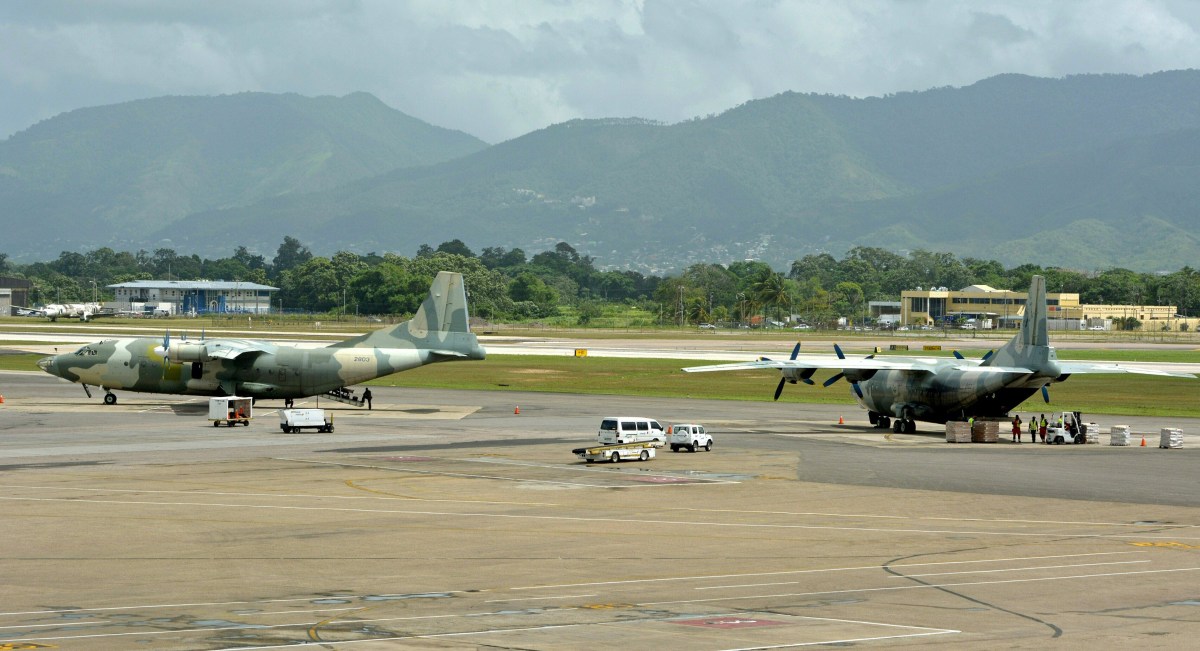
[(596, 520), (557, 596), (918, 587), (815, 571), (1019, 569)]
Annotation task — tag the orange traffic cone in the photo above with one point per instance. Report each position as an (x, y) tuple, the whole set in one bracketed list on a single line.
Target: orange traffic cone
[(517, 411), (840, 421), (1, 399), (1143, 440)]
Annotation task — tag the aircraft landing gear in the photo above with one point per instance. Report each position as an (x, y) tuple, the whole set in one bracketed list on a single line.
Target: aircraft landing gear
[(287, 403), (901, 426), (879, 421), (110, 398)]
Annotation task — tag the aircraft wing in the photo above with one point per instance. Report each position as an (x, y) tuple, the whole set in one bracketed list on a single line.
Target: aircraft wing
[(916, 365), (1083, 367), (235, 348)]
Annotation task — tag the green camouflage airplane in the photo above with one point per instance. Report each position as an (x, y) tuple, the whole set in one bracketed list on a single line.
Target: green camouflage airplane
[(438, 332), (936, 390)]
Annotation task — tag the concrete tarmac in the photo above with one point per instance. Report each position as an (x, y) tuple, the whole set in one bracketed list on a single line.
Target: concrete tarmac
[(442, 519)]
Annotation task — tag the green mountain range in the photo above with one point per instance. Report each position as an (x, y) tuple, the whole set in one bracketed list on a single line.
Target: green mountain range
[(1088, 172), (133, 175)]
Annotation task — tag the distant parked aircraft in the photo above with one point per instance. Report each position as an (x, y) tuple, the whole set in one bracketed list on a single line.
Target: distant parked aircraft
[(936, 390), (438, 332)]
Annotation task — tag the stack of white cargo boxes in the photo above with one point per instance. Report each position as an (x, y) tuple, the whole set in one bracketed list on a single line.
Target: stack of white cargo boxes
[(958, 431), (1093, 433), (1119, 435), (1171, 438), (985, 431)]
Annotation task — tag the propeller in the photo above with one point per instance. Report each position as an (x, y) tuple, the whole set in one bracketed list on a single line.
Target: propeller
[(1046, 393), (854, 384), (782, 380), (166, 348)]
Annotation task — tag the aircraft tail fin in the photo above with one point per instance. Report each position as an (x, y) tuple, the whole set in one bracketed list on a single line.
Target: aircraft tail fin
[(1030, 348), (441, 325)]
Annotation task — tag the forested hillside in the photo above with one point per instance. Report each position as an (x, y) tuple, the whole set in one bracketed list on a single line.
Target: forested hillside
[(1091, 171), (113, 175)]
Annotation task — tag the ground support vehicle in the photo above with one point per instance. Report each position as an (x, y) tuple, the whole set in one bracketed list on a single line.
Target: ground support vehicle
[(230, 410), (630, 429), (688, 436), (643, 451), (294, 420), (1073, 429)]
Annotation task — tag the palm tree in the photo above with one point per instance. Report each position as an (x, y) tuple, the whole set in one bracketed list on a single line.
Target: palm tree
[(770, 291)]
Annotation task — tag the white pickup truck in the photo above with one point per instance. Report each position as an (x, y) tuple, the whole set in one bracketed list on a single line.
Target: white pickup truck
[(689, 436)]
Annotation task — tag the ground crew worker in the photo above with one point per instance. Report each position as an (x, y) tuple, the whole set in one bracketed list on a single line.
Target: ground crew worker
[(367, 397), (1033, 427), (1016, 431), (1042, 429)]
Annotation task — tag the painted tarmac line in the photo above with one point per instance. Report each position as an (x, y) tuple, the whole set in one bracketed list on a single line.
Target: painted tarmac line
[(460, 475), (595, 520), (917, 587), (542, 598), (384, 497), (820, 570), (947, 519), (1018, 569), (845, 641), (1172, 527), (593, 468), (58, 625)]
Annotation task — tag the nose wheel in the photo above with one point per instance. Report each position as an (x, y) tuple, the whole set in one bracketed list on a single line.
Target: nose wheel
[(110, 398)]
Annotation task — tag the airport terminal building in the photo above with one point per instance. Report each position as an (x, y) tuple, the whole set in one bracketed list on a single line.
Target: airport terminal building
[(986, 307), (193, 296)]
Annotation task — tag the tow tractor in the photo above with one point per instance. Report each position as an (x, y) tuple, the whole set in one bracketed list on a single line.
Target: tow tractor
[(642, 451)]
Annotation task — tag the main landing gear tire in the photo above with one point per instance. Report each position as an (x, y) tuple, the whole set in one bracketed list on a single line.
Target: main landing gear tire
[(110, 398)]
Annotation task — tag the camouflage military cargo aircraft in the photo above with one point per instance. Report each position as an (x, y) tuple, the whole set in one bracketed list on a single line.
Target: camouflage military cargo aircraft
[(224, 367), (936, 390)]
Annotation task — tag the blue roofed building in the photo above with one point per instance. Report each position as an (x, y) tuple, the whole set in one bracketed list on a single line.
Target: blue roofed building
[(193, 296)]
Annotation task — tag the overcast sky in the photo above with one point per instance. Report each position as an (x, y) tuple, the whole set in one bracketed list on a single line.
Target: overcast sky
[(498, 69)]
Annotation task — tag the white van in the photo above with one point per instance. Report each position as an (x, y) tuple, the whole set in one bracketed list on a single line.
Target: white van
[(630, 429)]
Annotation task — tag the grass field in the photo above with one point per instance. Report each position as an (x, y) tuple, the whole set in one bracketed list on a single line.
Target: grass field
[(1132, 395)]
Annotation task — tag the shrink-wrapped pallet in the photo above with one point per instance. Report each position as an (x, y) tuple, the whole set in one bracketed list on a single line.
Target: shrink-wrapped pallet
[(1118, 435), (1092, 433), (985, 431), (958, 431), (1171, 438)]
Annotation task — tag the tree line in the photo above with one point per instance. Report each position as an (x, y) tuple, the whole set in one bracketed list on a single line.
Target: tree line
[(509, 285)]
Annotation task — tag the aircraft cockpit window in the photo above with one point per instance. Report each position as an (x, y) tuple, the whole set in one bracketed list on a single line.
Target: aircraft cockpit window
[(86, 351)]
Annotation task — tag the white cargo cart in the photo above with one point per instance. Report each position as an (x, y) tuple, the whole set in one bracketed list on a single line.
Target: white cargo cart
[(230, 410), (294, 420)]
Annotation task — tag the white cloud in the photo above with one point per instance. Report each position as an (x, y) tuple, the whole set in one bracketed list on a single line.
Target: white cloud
[(501, 69)]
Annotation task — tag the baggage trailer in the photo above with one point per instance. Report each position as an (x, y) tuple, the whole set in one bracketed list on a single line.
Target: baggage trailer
[(230, 410), (294, 420), (643, 451)]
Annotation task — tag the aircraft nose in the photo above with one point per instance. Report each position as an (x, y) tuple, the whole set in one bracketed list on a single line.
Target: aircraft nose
[(46, 364)]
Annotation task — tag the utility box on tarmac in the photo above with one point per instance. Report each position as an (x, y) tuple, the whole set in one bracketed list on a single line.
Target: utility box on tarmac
[(230, 410), (294, 420)]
